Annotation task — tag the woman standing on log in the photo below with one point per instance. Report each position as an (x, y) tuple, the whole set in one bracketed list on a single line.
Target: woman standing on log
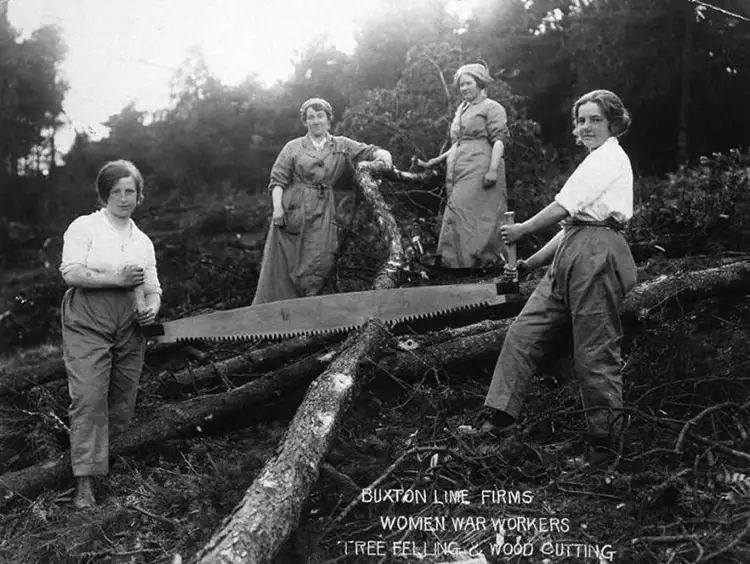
[(592, 270), (300, 248), (110, 267), (475, 176)]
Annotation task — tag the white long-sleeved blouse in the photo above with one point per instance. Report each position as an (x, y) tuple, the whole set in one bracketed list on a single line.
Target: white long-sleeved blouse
[(91, 241), (601, 187)]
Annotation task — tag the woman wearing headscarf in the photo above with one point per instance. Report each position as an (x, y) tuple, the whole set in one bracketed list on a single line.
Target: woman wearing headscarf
[(475, 176), (309, 207), (110, 267), (582, 292)]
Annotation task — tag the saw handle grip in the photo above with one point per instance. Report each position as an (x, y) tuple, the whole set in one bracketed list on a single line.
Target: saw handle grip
[(509, 217)]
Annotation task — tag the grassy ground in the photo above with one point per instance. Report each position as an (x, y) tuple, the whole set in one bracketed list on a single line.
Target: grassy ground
[(659, 504)]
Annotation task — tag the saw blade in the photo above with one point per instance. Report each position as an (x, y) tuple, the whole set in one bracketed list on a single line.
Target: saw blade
[(330, 313)]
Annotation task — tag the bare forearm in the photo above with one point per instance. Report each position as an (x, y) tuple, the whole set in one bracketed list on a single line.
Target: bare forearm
[(498, 150), (153, 301), (440, 158), (546, 253), (82, 277), (276, 195), (549, 216)]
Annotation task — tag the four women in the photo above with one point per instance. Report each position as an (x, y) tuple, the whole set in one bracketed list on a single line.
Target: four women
[(107, 261), (110, 267), (475, 176)]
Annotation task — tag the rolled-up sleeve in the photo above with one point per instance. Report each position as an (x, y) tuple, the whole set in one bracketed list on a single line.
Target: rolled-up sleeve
[(359, 151), (283, 168), (497, 123), (151, 283), (76, 245), (589, 182)]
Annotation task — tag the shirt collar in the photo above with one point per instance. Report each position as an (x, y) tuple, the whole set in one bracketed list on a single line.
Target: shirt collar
[(308, 142), (481, 97)]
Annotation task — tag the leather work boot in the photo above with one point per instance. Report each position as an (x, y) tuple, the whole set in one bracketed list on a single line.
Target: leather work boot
[(84, 496)]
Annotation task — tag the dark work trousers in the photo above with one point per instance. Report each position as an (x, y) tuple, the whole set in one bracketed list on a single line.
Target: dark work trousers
[(103, 350), (582, 291)]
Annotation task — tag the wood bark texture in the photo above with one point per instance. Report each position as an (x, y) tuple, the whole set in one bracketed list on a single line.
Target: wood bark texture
[(264, 358), (171, 420), (270, 511), (410, 358)]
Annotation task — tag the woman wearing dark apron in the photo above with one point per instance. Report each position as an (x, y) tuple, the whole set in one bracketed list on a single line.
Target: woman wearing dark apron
[(592, 270)]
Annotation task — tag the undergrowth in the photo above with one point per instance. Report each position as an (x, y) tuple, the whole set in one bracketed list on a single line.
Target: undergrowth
[(680, 488), (680, 491)]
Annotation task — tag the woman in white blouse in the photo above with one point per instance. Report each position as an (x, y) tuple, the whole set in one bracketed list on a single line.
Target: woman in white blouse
[(592, 270), (110, 267)]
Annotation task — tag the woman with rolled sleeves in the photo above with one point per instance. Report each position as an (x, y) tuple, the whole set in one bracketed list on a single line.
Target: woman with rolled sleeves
[(591, 272), (110, 267), (475, 177), (308, 207)]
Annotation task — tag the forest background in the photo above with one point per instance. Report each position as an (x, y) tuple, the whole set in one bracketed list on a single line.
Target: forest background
[(681, 67)]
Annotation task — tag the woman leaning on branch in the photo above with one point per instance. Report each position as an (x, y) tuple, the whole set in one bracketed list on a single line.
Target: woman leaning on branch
[(110, 267), (475, 176), (309, 207), (582, 291)]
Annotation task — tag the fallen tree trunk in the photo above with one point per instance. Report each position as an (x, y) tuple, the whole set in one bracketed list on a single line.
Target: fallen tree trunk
[(416, 355), (27, 377), (440, 350), (271, 508), (171, 420), (641, 302), (264, 358), (682, 287), (256, 361)]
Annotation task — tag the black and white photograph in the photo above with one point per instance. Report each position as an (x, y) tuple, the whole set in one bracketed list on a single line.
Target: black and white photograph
[(388, 282)]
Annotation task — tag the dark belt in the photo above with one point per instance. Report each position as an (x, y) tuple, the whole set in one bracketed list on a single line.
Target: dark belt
[(609, 222), (319, 186)]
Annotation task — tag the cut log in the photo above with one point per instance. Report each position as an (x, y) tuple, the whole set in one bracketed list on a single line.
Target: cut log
[(443, 349), (640, 303), (682, 287), (411, 358), (259, 360), (27, 377), (264, 358), (171, 420), (271, 508)]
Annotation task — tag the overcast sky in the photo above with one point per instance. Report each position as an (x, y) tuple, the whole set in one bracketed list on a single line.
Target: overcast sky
[(127, 50)]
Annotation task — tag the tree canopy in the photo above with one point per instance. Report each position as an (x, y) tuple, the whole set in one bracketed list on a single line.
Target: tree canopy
[(681, 68)]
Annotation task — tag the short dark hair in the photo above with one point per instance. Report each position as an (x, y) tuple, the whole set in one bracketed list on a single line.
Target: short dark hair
[(114, 171), (614, 110)]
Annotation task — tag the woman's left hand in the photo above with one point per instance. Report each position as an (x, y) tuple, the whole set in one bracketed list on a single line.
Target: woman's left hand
[(490, 179), (146, 316), (387, 159), (511, 233)]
